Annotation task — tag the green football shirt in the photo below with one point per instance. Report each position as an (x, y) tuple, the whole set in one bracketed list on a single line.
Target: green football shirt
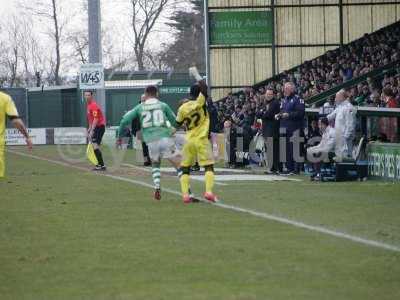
[(156, 119)]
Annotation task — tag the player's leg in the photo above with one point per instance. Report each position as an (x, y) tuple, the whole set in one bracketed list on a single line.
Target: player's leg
[(189, 156), (2, 162), (209, 178), (96, 141), (156, 175), (176, 162), (205, 157), (155, 156), (176, 158)]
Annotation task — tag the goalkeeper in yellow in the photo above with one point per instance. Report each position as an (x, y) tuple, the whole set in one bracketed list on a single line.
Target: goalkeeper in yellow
[(193, 114)]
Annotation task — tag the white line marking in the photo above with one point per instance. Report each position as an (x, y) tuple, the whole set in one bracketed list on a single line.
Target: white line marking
[(266, 216), (246, 177)]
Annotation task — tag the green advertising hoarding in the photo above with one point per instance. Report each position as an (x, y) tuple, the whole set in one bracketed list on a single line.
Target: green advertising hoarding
[(384, 160), (240, 27), (175, 90)]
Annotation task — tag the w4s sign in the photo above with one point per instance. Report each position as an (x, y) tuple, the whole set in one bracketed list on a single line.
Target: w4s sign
[(91, 76)]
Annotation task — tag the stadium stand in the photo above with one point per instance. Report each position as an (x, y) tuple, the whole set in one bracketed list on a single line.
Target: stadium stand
[(359, 65), (369, 68)]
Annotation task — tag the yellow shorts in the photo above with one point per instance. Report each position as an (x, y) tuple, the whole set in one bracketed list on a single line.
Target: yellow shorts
[(2, 162), (199, 150)]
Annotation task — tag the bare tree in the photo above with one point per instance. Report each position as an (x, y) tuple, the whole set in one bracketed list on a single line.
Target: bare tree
[(30, 53), (50, 10), (144, 16), (21, 55), (79, 42), (78, 39), (57, 31), (10, 51), (157, 58)]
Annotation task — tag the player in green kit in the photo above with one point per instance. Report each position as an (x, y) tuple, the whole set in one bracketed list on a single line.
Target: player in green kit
[(157, 121)]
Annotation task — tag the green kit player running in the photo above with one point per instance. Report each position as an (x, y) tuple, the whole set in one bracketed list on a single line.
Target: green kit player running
[(156, 119)]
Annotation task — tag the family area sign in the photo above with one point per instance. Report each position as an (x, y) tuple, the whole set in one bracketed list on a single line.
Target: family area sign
[(240, 27)]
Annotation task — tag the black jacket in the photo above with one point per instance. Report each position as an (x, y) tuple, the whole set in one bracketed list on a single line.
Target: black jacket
[(270, 126), (213, 114), (135, 126)]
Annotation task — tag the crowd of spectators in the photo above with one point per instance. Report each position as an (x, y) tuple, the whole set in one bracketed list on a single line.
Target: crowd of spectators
[(345, 63)]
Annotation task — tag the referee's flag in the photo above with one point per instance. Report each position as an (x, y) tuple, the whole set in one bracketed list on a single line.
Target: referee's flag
[(91, 155)]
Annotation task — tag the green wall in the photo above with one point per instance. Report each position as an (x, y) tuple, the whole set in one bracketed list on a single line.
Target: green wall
[(55, 108), (66, 107)]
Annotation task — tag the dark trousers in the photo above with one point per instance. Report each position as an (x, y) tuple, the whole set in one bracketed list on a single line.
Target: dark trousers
[(289, 154), (291, 164), (232, 147), (273, 157), (146, 155)]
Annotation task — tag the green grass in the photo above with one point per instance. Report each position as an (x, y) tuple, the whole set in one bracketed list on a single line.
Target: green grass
[(69, 234)]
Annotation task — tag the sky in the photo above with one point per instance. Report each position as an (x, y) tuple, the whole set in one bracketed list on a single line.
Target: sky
[(5, 5), (115, 19)]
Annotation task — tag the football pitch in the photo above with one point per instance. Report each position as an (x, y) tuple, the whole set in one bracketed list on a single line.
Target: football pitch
[(69, 233)]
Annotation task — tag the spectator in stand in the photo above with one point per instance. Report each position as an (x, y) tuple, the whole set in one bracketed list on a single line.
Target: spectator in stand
[(313, 133), (213, 114), (387, 125), (291, 118), (328, 107), (237, 116), (362, 98), (389, 98), (374, 100), (270, 130)]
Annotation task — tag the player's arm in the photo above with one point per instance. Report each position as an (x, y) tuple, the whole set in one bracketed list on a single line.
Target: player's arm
[(127, 120), (201, 99), (331, 117), (19, 124), (170, 115), (16, 121), (180, 118)]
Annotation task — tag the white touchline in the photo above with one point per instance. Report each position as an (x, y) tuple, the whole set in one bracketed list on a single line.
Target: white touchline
[(236, 208)]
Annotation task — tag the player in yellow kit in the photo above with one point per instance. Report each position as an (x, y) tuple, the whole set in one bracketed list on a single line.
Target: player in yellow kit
[(193, 114), (8, 109)]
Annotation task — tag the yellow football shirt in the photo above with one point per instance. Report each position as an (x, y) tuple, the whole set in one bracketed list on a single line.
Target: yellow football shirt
[(194, 115), (7, 108)]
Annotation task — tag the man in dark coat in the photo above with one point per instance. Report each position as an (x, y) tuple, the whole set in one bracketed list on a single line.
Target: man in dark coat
[(292, 127), (270, 130)]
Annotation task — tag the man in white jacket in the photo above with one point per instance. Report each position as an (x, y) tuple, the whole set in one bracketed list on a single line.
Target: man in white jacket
[(345, 122), (320, 152), (327, 143)]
